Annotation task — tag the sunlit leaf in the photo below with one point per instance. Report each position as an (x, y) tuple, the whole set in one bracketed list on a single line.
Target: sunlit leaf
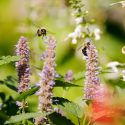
[(18, 118), (79, 75), (68, 106), (8, 59), (29, 92)]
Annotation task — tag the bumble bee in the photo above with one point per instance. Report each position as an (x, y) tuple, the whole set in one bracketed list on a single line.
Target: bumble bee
[(41, 32), (84, 50)]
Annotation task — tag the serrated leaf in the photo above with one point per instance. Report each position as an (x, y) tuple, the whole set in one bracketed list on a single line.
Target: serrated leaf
[(29, 92), (62, 83), (57, 119), (9, 59), (68, 106), (18, 118)]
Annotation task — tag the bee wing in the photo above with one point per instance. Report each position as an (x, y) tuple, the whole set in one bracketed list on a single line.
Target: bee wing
[(36, 34), (50, 32), (80, 46)]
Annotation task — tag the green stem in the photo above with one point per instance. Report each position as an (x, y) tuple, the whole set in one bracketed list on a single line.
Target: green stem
[(23, 111), (84, 120)]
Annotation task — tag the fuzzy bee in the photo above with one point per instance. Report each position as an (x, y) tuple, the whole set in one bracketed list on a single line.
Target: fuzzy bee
[(41, 32), (84, 50)]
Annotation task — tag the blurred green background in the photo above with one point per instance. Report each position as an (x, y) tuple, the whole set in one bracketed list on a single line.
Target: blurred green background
[(24, 17)]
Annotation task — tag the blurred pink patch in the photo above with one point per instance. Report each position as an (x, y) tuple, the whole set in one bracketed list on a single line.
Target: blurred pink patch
[(103, 110)]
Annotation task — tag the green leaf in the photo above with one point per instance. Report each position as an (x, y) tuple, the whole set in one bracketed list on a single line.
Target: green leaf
[(63, 83), (68, 106), (3, 116), (116, 82), (9, 59), (2, 96), (18, 118), (57, 119), (10, 82), (30, 92), (79, 75)]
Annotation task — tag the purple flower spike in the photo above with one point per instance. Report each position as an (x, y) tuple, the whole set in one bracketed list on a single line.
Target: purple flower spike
[(47, 80), (43, 56), (92, 81), (52, 83), (69, 75), (22, 66)]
